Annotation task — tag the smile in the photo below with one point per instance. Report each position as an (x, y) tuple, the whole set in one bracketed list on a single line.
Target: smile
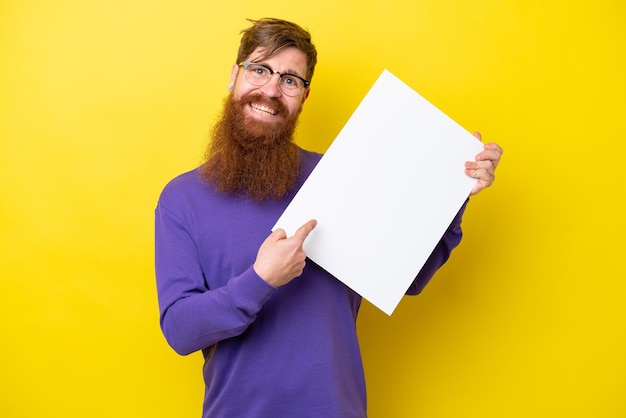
[(263, 110)]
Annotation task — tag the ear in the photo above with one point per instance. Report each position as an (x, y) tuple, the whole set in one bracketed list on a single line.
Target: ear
[(305, 96), (233, 76)]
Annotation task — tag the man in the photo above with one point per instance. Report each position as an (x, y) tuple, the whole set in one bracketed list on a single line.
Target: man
[(278, 334)]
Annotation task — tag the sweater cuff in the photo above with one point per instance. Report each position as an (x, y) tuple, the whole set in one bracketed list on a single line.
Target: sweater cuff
[(250, 291)]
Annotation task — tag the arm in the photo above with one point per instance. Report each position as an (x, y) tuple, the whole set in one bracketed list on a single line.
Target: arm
[(483, 170), (193, 317), (451, 238)]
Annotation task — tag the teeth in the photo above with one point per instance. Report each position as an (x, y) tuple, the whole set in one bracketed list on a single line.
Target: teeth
[(263, 109)]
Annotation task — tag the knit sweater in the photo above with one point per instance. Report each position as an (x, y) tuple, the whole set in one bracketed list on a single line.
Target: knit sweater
[(290, 351)]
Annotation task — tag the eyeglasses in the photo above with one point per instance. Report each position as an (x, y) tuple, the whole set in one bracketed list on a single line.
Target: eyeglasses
[(261, 74)]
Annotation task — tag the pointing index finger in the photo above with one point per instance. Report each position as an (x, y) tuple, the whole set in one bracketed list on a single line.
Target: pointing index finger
[(303, 232)]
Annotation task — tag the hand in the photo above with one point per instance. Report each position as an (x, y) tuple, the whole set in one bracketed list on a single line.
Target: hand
[(281, 259), (485, 165)]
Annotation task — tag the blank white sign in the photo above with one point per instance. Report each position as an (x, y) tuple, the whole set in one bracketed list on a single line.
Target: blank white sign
[(385, 192)]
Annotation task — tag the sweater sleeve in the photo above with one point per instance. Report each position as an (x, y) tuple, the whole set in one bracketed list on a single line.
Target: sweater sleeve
[(193, 317), (450, 240)]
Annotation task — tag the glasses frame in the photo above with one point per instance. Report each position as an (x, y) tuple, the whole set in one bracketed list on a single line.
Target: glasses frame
[(246, 64)]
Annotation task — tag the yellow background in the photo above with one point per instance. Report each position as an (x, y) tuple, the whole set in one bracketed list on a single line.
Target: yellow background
[(102, 102)]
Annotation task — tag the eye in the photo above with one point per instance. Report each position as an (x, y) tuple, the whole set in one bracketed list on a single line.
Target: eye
[(259, 70), (291, 81)]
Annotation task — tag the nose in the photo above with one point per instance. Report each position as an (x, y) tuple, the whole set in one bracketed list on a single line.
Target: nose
[(272, 88)]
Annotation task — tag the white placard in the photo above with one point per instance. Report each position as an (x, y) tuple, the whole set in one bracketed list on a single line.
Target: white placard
[(385, 192)]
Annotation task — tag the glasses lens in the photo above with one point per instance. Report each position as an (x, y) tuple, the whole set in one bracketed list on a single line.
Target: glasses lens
[(290, 85), (259, 75)]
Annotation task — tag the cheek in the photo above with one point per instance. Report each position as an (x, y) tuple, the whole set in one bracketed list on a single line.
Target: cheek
[(239, 91), (295, 107), (242, 87)]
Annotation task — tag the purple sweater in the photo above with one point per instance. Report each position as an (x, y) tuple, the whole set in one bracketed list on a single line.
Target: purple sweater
[(269, 352)]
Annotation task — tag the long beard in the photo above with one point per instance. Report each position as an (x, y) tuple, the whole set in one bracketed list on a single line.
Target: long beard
[(252, 158)]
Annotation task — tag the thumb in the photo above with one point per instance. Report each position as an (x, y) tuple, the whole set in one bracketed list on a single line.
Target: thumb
[(305, 230), (277, 235)]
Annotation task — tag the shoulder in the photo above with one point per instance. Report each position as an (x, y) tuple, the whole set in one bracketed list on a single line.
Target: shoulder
[(188, 179), (183, 186), (309, 160)]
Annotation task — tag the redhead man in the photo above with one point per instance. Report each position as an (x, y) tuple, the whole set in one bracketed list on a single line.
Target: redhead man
[(278, 334)]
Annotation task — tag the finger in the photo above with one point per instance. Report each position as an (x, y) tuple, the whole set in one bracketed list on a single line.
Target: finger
[(491, 156), (483, 174), (479, 136), (305, 230), (487, 154), (487, 163), (492, 151), (494, 146), (473, 173), (476, 165), (277, 235)]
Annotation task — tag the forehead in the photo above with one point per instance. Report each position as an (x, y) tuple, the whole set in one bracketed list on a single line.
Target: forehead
[(288, 59)]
